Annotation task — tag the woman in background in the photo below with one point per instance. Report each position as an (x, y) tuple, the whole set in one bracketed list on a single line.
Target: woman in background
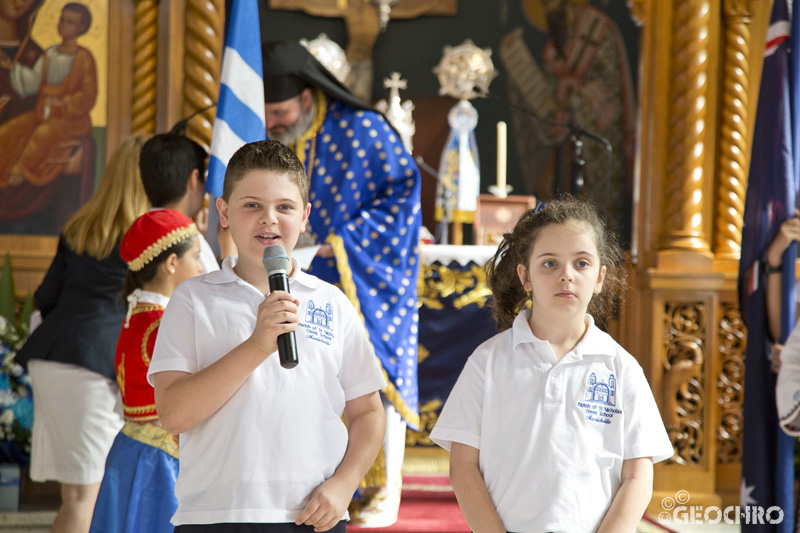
[(70, 356)]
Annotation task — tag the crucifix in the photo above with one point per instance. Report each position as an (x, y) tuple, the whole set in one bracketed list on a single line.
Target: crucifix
[(363, 22), (394, 83)]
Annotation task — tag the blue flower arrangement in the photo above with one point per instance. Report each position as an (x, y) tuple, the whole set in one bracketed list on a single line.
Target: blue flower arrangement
[(16, 398)]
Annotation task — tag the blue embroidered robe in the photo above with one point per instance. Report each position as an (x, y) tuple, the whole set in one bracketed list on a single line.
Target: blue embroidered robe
[(365, 197)]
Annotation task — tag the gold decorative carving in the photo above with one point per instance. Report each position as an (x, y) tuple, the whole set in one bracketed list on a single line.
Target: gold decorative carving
[(730, 385), (683, 208), (427, 296), (205, 24), (733, 169), (145, 64), (682, 384), (422, 353), (737, 9), (428, 416), (480, 293), (438, 281)]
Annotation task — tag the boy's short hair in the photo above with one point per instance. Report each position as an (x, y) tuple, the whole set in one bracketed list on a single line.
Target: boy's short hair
[(265, 155), (166, 162), (83, 11)]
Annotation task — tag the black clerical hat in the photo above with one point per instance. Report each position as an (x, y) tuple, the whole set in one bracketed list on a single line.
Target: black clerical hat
[(289, 68)]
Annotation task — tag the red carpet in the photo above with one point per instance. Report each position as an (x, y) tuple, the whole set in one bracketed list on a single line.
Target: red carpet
[(428, 505)]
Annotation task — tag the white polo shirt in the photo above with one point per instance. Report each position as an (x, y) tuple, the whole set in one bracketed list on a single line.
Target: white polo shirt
[(281, 434), (552, 434), (207, 257)]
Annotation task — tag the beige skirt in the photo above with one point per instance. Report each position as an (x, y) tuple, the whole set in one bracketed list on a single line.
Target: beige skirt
[(77, 414)]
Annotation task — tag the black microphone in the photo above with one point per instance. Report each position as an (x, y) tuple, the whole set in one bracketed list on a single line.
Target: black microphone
[(276, 263)]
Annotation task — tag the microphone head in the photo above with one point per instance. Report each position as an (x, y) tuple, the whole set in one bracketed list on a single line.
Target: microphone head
[(275, 260)]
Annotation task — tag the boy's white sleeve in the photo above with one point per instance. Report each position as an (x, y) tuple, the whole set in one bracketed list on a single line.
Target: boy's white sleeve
[(787, 391), (360, 373), (460, 420), (175, 344), (645, 434)]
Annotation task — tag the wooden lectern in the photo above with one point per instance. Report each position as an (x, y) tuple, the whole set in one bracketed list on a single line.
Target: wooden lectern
[(497, 215)]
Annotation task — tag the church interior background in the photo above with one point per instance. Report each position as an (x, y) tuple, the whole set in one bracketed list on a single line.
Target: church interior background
[(677, 195)]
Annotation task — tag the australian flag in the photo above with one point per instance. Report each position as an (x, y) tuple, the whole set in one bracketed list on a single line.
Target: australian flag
[(240, 109), (767, 453)]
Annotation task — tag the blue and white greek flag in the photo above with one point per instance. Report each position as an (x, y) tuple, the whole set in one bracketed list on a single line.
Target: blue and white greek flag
[(240, 108)]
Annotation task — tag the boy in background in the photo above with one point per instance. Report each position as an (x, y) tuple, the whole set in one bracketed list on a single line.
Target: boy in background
[(173, 172)]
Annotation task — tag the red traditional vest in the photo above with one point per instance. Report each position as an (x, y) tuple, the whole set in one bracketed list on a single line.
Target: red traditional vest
[(134, 348)]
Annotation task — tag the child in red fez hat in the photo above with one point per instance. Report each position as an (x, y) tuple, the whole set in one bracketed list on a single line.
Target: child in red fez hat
[(137, 493)]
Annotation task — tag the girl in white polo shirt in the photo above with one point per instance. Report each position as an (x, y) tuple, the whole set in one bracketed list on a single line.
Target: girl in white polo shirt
[(552, 425)]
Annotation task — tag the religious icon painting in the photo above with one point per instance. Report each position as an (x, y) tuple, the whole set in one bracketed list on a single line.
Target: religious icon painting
[(53, 71), (569, 70)]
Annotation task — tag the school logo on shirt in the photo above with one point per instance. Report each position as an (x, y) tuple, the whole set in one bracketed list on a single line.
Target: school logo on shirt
[(600, 399), (602, 391), (319, 323)]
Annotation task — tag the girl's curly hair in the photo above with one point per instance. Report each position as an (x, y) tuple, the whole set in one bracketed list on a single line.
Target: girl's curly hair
[(509, 296)]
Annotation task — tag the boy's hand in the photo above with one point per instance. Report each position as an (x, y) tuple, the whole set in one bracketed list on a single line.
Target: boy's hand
[(327, 505), (277, 314)]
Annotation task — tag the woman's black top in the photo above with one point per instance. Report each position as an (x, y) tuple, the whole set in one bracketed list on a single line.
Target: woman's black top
[(82, 310)]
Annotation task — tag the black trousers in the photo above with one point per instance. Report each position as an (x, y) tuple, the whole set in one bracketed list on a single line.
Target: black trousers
[(290, 527)]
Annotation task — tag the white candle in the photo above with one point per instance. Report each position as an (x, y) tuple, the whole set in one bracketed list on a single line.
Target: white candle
[(501, 158)]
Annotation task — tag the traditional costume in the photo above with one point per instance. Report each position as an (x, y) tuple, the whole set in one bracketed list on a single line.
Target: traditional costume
[(365, 193), (138, 489)]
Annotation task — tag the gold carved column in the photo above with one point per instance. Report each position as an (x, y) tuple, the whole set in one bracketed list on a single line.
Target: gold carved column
[(699, 77), (202, 63), (684, 209), (176, 51), (145, 65), (177, 59), (733, 137)]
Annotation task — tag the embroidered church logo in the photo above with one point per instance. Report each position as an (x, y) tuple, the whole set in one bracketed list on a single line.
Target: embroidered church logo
[(600, 391), (318, 323), (320, 316), (600, 400)]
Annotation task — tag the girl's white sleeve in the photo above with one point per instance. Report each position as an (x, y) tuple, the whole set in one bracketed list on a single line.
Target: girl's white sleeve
[(460, 420), (645, 434)]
